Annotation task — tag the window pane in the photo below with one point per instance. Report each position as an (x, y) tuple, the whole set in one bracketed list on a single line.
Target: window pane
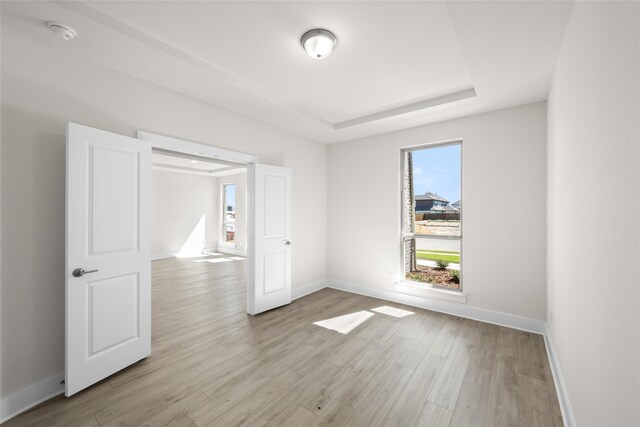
[(229, 212), (437, 262), (432, 192), (230, 232), (437, 190)]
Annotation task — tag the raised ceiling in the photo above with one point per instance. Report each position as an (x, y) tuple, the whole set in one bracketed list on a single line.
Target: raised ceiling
[(397, 64)]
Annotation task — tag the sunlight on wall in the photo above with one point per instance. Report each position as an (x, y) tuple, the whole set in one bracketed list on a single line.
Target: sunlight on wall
[(196, 242), (347, 323)]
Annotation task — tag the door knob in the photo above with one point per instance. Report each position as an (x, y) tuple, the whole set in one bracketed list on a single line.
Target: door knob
[(286, 242), (79, 272)]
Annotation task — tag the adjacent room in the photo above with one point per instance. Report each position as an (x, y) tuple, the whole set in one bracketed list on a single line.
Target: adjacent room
[(198, 217), (198, 207), (316, 213)]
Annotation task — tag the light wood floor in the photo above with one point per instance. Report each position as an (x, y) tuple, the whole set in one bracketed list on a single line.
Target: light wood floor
[(212, 365)]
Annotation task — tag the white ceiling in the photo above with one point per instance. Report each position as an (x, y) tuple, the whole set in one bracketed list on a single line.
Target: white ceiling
[(397, 64), (193, 165)]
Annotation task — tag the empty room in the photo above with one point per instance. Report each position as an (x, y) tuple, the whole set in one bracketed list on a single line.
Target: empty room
[(355, 213)]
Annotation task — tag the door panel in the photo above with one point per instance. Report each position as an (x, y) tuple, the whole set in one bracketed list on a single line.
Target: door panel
[(270, 238), (274, 272), (274, 206), (114, 186), (114, 313), (108, 308)]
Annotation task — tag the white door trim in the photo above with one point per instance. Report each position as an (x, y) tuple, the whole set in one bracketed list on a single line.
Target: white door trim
[(169, 143)]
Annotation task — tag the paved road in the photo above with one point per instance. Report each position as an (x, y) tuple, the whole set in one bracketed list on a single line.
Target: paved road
[(438, 245)]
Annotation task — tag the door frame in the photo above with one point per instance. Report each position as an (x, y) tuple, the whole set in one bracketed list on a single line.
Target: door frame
[(176, 145)]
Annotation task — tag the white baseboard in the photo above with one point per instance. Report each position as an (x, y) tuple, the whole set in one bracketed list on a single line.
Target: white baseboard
[(308, 289), (447, 307), (561, 390), (30, 396), (163, 255), (232, 251)]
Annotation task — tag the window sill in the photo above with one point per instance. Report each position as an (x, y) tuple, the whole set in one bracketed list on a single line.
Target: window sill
[(425, 290)]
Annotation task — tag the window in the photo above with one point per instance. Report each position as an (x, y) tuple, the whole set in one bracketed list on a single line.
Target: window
[(432, 215), (229, 213)]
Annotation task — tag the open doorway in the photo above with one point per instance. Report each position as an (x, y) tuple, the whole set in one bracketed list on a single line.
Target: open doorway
[(268, 207), (198, 246)]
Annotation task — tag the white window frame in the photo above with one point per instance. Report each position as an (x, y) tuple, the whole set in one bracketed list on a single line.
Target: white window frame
[(223, 217), (419, 288)]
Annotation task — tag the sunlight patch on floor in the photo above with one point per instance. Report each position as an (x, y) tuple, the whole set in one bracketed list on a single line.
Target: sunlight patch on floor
[(347, 323), (392, 311), (214, 260)]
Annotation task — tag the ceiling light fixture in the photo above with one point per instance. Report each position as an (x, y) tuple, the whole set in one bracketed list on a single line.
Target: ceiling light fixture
[(61, 30), (318, 43)]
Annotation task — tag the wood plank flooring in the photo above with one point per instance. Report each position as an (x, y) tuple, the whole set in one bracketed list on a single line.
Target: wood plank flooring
[(213, 365)]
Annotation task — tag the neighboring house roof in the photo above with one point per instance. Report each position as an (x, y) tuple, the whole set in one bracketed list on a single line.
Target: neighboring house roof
[(456, 204), (451, 208), (431, 196)]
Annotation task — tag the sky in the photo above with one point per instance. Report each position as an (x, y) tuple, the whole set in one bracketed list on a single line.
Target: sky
[(230, 193), (437, 170)]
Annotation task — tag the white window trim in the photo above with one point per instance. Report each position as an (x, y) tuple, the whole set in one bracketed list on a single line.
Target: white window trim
[(418, 288), (429, 291)]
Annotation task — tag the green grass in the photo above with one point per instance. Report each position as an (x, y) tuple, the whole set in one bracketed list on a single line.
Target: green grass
[(439, 256)]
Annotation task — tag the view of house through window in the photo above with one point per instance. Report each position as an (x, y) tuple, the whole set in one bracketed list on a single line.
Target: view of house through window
[(432, 206), (229, 213)]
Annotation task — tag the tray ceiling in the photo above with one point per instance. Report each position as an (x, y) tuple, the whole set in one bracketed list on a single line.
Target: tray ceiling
[(397, 64)]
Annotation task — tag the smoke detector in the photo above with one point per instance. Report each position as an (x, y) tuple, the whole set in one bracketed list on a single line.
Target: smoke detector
[(62, 30)]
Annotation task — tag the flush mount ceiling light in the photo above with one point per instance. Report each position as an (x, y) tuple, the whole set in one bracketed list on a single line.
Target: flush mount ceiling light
[(61, 30), (318, 43)]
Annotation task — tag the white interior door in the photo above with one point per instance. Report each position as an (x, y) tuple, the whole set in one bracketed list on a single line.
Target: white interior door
[(270, 237), (108, 264)]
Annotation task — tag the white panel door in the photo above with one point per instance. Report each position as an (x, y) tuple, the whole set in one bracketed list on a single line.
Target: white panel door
[(270, 237), (108, 263)]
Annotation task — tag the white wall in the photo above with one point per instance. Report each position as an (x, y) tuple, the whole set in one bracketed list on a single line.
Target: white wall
[(240, 180), (594, 213), (504, 195), (41, 91), (184, 213)]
